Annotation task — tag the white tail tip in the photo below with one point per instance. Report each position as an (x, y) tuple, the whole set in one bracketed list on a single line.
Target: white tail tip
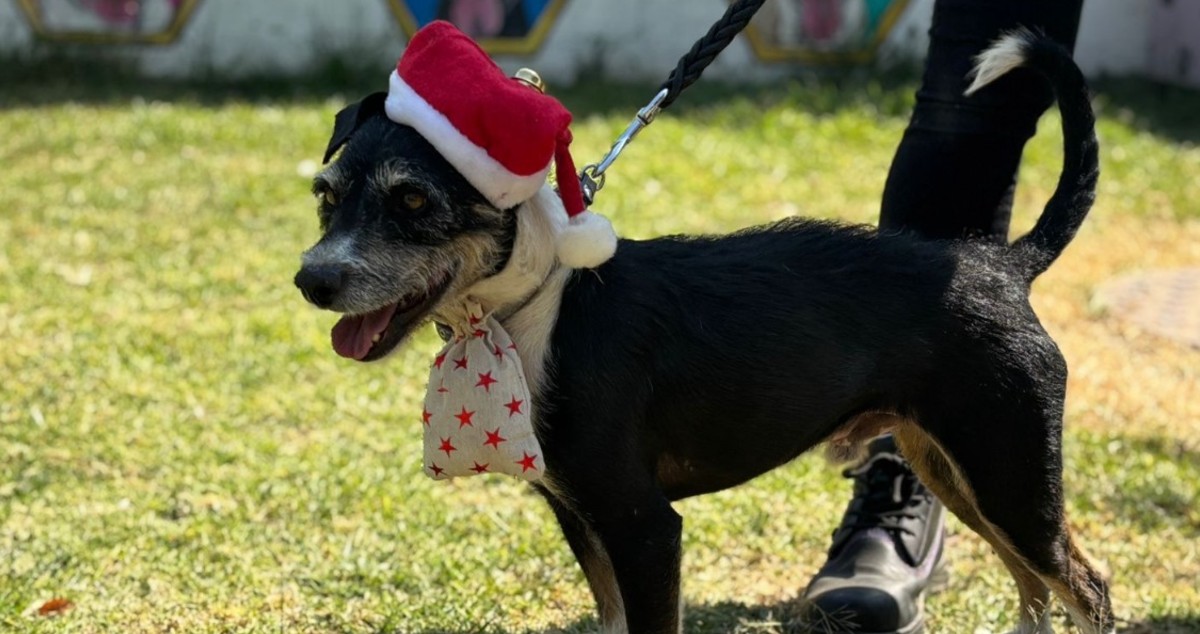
[(1005, 54)]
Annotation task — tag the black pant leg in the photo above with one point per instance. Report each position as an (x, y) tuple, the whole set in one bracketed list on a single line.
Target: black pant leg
[(955, 169)]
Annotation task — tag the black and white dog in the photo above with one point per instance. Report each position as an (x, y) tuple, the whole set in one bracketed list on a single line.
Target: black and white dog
[(687, 365)]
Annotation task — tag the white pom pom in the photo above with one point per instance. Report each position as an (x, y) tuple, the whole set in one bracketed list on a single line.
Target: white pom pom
[(587, 241)]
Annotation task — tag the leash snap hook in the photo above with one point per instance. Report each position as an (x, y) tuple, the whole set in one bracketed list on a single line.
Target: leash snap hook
[(592, 178), (590, 182)]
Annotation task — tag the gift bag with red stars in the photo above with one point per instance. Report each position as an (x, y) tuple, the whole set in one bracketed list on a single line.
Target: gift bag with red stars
[(477, 407)]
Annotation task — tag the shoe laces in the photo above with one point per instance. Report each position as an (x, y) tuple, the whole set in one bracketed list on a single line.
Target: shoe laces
[(886, 493)]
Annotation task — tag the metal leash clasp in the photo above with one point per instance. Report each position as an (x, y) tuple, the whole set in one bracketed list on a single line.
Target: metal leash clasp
[(591, 180)]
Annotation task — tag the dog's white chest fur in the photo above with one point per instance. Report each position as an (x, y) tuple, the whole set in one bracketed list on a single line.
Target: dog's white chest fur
[(524, 297)]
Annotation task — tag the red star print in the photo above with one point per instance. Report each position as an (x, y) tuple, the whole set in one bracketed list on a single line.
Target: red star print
[(425, 416), (494, 438), (464, 418), (480, 468), (437, 362), (474, 320), (437, 471), (442, 387), (447, 447), (486, 381), (479, 333), (498, 352), (514, 406), (512, 346), (527, 462), (461, 364)]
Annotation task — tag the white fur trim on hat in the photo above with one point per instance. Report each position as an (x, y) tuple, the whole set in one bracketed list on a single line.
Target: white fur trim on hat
[(501, 187), (587, 241)]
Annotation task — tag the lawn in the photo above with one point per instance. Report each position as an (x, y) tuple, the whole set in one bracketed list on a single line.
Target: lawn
[(181, 450)]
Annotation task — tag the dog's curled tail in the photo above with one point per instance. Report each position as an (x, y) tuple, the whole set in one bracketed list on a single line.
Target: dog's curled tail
[(1076, 189)]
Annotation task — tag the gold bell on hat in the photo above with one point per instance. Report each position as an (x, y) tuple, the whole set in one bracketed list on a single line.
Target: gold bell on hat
[(530, 77)]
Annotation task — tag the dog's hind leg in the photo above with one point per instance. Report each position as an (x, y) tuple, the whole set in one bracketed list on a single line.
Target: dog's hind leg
[(594, 561), (1001, 447), (943, 478)]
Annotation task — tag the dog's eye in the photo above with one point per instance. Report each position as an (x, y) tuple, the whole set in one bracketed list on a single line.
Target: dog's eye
[(324, 193), (414, 200)]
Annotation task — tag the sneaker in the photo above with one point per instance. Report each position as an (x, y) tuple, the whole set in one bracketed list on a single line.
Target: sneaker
[(885, 555)]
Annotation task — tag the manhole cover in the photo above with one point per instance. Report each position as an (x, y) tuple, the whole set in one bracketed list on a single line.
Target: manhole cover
[(1166, 303)]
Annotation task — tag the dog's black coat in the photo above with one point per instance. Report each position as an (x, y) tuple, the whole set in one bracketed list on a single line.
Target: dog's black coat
[(687, 365), (690, 365), (738, 353)]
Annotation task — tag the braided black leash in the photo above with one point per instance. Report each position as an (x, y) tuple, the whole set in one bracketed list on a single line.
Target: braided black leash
[(686, 72), (706, 49)]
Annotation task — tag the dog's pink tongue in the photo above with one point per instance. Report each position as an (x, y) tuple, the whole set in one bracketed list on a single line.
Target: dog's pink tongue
[(352, 334)]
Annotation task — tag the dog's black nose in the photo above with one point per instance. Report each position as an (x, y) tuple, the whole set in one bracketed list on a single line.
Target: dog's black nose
[(320, 284)]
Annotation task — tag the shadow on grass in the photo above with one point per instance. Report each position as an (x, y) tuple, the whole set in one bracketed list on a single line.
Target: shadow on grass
[(1163, 110), (1185, 624), (717, 618), (59, 77), (783, 618)]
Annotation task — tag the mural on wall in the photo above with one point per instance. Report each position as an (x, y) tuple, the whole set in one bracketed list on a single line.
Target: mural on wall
[(500, 26), (823, 31), (108, 21)]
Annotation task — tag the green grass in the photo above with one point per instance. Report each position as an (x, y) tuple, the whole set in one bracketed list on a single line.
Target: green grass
[(180, 450)]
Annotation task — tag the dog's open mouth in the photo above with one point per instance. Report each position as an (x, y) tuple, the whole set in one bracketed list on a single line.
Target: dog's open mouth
[(373, 335)]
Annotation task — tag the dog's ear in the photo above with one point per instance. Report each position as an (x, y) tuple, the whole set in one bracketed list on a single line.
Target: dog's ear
[(350, 118)]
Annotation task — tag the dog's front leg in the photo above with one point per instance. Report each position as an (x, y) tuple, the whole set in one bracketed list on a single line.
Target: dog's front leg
[(642, 535), (594, 561)]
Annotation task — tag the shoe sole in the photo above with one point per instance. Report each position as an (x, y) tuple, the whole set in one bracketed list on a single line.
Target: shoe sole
[(939, 580), (916, 627)]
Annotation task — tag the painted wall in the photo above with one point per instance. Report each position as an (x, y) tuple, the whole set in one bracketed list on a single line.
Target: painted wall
[(637, 39), (1114, 36), (1174, 53)]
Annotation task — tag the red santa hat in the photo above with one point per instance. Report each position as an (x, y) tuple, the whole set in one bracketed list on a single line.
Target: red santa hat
[(501, 134)]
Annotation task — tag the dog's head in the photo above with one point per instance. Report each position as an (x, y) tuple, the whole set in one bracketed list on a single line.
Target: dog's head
[(402, 231)]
